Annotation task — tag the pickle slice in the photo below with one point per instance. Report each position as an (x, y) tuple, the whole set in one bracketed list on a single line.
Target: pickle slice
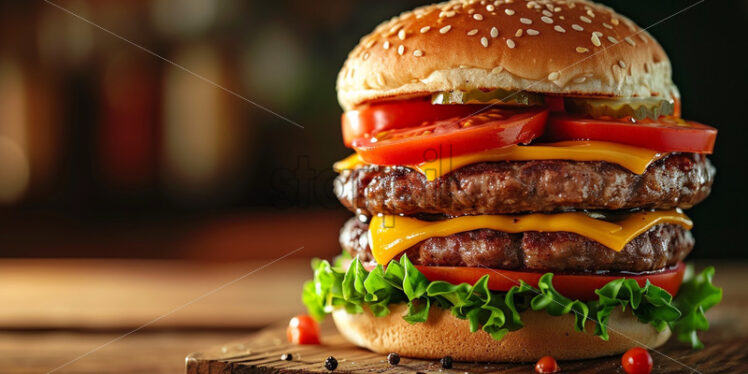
[(497, 96), (638, 109)]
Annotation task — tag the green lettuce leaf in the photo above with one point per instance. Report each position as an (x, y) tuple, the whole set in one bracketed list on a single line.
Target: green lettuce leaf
[(696, 295), (498, 313)]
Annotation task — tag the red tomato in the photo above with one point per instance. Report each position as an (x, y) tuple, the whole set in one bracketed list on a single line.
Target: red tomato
[(452, 137), (547, 364), (302, 329), (573, 286), (637, 361), (375, 118), (668, 134)]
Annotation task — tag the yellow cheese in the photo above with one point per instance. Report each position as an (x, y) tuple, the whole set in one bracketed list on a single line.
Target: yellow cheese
[(391, 235), (635, 159), (348, 163)]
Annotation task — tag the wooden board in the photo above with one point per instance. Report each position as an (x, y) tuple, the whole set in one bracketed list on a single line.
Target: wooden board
[(726, 352)]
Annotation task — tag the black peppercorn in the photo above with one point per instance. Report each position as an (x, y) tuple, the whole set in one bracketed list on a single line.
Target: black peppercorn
[(286, 357), (446, 362), (393, 358), (331, 363)]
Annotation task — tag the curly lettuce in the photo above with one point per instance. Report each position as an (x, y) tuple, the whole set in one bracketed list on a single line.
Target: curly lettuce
[(498, 313)]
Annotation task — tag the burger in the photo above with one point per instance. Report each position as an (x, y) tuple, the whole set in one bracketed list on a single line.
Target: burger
[(518, 182)]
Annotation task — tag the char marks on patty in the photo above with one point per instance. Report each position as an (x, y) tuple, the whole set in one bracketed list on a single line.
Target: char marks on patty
[(661, 246), (676, 181)]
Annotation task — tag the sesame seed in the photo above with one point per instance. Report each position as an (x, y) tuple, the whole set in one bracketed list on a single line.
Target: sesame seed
[(394, 29), (597, 33), (472, 32), (510, 43), (478, 17), (559, 28), (546, 19), (366, 56), (425, 29), (490, 8), (401, 50), (642, 38), (447, 14), (509, 12), (553, 76), (622, 64), (494, 32), (556, 9), (401, 34), (612, 40), (532, 4), (630, 41), (533, 32), (607, 26), (577, 27), (614, 21), (585, 19), (580, 79), (582, 50), (561, 17), (595, 40), (484, 41), (386, 44), (526, 21), (445, 29), (590, 13), (547, 13), (417, 53), (518, 33)]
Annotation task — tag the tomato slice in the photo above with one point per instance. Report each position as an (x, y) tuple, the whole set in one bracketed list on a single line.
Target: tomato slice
[(573, 286), (668, 134), (375, 118), (452, 137)]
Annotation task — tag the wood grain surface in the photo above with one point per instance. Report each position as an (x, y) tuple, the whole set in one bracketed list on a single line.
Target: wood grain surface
[(55, 311), (725, 352)]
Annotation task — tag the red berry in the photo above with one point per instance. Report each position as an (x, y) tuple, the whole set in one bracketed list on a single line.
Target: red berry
[(547, 364), (303, 329), (637, 361)]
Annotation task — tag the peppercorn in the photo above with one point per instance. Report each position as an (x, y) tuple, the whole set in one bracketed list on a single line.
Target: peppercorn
[(331, 363), (393, 358), (446, 362), (286, 357)]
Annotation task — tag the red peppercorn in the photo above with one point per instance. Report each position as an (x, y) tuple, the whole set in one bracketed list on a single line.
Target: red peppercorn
[(637, 361), (547, 364)]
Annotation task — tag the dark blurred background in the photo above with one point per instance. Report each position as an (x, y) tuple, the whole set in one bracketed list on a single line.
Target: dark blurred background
[(108, 151)]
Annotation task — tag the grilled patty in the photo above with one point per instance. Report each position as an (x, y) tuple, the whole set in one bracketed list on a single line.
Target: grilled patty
[(678, 180), (662, 246)]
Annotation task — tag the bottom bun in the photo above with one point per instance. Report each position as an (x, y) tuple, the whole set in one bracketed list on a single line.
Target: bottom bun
[(543, 335)]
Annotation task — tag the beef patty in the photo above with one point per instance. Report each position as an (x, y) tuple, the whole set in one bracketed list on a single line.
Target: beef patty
[(678, 180), (661, 246)]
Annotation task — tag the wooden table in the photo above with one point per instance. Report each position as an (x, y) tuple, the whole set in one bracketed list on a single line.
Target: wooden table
[(52, 311)]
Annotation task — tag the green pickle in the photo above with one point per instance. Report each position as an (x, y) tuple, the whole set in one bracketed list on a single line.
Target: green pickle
[(638, 109), (497, 96)]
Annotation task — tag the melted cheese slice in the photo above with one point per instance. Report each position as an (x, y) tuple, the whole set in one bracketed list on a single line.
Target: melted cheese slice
[(635, 159), (391, 235)]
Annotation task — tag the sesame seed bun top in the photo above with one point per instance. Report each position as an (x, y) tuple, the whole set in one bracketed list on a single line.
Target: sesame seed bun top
[(572, 47)]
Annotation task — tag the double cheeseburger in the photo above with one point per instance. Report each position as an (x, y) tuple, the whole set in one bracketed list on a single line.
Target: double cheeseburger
[(518, 181)]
